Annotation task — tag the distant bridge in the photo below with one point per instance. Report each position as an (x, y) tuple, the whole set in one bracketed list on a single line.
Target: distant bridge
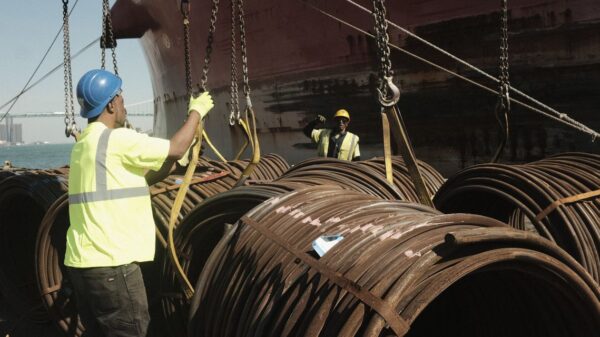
[(138, 109)]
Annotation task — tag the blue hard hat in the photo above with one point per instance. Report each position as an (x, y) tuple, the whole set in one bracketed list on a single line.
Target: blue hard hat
[(95, 90)]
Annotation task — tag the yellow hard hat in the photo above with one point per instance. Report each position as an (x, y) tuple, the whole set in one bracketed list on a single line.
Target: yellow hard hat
[(342, 113)]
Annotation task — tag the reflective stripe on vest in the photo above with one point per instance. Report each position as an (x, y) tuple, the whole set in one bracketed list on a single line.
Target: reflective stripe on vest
[(353, 147), (102, 192)]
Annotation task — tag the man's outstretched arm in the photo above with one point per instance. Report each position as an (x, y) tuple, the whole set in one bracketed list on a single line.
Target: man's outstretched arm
[(311, 125)]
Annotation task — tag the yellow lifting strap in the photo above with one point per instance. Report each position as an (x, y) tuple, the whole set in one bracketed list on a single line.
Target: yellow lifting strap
[(387, 149), (212, 147), (248, 139), (188, 289), (255, 146), (404, 146)]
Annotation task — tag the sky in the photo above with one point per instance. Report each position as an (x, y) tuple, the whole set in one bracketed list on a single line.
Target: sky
[(27, 28)]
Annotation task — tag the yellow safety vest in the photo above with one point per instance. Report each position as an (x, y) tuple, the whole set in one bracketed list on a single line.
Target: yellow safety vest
[(109, 201), (347, 151)]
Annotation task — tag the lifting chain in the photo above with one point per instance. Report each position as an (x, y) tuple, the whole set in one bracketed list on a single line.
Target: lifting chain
[(108, 40), (245, 77), (241, 25), (389, 94), (211, 33), (234, 108), (503, 106), (185, 12), (504, 82), (70, 126)]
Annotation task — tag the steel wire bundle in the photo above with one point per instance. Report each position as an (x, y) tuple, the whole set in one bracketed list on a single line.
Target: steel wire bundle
[(197, 236), (270, 167), (24, 199), (347, 175), (365, 176), (443, 275), (402, 180), (520, 194)]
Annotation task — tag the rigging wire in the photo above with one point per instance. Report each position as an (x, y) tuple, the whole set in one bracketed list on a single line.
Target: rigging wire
[(86, 47), (561, 117), (16, 98)]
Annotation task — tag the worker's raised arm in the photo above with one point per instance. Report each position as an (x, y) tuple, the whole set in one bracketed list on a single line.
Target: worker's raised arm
[(182, 139), (311, 125)]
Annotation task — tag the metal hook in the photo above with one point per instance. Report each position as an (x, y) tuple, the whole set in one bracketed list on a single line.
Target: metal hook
[(68, 130), (71, 129), (385, 101)]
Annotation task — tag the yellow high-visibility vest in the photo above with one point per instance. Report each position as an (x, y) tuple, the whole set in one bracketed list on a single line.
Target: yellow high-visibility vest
[(109, 201), (347, 151)]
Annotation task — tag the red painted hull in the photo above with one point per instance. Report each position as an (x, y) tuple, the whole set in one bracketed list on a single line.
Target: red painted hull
[(303, 63)]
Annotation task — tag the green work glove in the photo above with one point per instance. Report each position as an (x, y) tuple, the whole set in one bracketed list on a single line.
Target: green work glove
[(321, 119), (202, 104)]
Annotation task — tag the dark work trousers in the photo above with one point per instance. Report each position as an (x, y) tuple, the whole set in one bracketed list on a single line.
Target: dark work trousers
[(111, 300)]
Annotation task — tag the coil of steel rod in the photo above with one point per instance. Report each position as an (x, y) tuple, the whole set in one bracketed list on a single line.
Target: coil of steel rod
[(24, 199), (400, 269), (197, 236), (402, 180), (54, 289), (347, 175), (521, 194), (270, 167)]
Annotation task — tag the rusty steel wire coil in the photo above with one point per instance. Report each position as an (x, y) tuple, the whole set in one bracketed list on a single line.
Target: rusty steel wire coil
[(347, 175), (54, 289), (270, 167), (400, 269), (521, 194), (24, 199), (163, 198), (196, 237), (402, 179)]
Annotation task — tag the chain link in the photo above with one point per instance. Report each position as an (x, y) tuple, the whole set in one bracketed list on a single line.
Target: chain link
[(503, 106), (388, 92), (107, 28), (242, 26), (504, 80), (185, 12), (383, 50), (70, 126), (234, 108), (211, 33), (103, 39)]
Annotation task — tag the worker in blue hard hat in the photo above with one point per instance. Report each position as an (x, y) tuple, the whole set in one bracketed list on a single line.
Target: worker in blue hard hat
[(334, 142), (111, 223)]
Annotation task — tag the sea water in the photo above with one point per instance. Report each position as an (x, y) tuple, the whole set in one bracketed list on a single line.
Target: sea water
[(36, 156)]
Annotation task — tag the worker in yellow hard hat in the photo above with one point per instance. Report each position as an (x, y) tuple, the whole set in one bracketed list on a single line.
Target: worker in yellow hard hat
[(335, 142)]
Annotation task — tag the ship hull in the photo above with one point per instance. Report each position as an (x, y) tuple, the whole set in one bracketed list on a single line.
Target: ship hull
[(303, 63)]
